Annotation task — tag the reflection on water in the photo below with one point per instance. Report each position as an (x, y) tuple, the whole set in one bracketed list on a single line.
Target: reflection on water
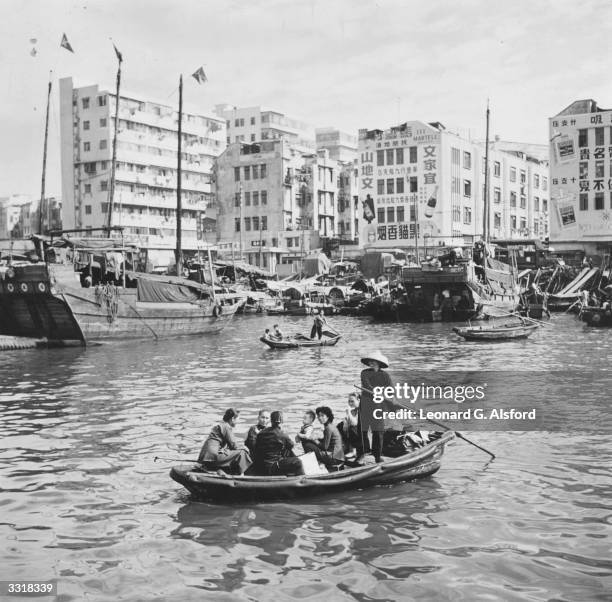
[(84, 502)]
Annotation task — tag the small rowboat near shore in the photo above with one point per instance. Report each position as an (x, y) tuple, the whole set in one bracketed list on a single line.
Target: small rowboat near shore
[(502, 332), (300, 341), (212, 486)]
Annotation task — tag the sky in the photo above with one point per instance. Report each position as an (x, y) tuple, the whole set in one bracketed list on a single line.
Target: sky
[(344, 63)]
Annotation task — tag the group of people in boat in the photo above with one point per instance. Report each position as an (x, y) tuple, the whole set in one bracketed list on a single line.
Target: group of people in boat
[(317, 328), (269, 450)]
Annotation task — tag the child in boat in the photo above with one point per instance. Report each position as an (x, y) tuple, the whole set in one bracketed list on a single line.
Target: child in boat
[(355, 442), (307, 430)]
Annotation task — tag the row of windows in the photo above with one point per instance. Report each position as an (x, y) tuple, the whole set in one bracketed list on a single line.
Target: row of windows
[(255, 196), (396, 185), (253, 172), (395, 156), (85, 101), (252, 223), (467, 158), (583, 136), (103, 122), (599, 169), (240, 122), (599, 201), (394, 214), (102, 145)]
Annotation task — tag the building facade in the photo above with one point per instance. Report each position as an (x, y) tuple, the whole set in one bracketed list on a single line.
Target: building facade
[(275, 202), (341, 146), (146, 167), (421, 185), (581, 176)]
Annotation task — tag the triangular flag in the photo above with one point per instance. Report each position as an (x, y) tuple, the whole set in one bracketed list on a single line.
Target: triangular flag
[(200, 76), (119, 55), (65, 43)]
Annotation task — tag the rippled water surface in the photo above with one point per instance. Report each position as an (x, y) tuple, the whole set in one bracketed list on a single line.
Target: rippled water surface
[(84, 502)]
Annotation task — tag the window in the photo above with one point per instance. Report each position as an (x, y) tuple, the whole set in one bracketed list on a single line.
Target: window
[(544, 183), (264, 197), (496, 195), (103, 184), (414, 184), (101, 101), (467, 215), (237, 200), (252, 137), (86, 146), (255, 172), (89, 168), (103, 165), (247, 224), (380, 214), (399, 156), (512, 198), (536, 180), (455, 156), (583, 138), (86, 125), (467, 160), (599, 169), (584, 201), (264, 222), (87, 188), (536, 227), (390, 154), (467, 188), (380, 186), (544, 205), (380, 157), (241, 122), (256, 197), (87, 209), (236, 122), (390, 215), (583, 170), (247, 172), (237, 224), (523, 176), (400, 214), (513, 222), (523, 201), (247, 199), (390, 185), (497, 221), (104, 207), (102, 144), (599, 199), (523, 223), (399, 185), (262, 170), (497, 169), (536, 203), (513, 174), (103, 122), (85, 102), (413, 154), (236, 174), (599, 136), (252, 120), (255, 223)]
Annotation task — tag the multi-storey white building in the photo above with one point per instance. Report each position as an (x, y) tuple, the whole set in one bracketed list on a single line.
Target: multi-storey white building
[(146, 168), (274, 201), (11, 213), (255, 124), (581, 175), (421, 174), (341, 146)]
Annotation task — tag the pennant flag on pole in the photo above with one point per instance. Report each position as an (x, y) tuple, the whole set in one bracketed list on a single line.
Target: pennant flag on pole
[(66, 44), (200, 76), (119, 55)]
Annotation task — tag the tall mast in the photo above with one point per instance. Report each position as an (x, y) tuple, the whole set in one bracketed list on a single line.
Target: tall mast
[(485, 212), (179, 206), (240, 215), (111, 188), (44, 165)]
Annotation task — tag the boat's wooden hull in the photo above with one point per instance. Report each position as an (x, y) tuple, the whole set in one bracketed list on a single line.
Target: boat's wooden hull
[(483, 333), (597, 316), (228, 488), (297, 343)]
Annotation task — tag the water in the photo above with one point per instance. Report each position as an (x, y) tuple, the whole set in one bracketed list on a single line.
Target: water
[(84, 502)]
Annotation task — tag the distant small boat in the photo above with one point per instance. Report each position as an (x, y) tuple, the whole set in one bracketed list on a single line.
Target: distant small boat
[(502, 332), (301, 341), (597, 316)]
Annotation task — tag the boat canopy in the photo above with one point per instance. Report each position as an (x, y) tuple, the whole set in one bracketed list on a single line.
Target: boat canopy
[(93, 244), (168, 289)]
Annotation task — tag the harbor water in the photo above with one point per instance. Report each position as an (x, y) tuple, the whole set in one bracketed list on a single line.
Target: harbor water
[(84, 501)]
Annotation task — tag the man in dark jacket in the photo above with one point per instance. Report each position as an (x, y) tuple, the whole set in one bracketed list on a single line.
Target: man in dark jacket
[(274, 450)]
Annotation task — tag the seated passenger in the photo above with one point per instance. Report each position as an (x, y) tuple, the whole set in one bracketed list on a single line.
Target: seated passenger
[(328, 449), (355, 441), (307, 428), (278, 334), (274, 450), (263, 418), (220, 449)]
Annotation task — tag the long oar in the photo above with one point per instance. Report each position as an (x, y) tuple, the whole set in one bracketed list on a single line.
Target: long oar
[(457, 433), (184, 460), (536, 321)]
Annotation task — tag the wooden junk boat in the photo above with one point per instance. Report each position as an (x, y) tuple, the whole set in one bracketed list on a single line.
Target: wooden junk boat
[(328, 340), (497, 332), (422, 462)]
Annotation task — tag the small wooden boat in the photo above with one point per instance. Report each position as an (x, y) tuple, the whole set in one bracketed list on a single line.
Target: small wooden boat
[(596, 316), (213, 486), (301, 341), (500, 332)]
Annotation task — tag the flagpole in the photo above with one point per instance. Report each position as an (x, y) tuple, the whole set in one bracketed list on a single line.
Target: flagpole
[(111, 191), (44, 165), (179, 207)]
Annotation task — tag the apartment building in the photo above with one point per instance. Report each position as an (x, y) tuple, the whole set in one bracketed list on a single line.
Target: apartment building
[(341, 146), (146, 167), (420, 184), (275, 201), (581, 176)]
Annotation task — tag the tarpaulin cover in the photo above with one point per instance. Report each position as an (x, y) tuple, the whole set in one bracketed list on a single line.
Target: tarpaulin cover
[(153, 291), (316, 265)]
